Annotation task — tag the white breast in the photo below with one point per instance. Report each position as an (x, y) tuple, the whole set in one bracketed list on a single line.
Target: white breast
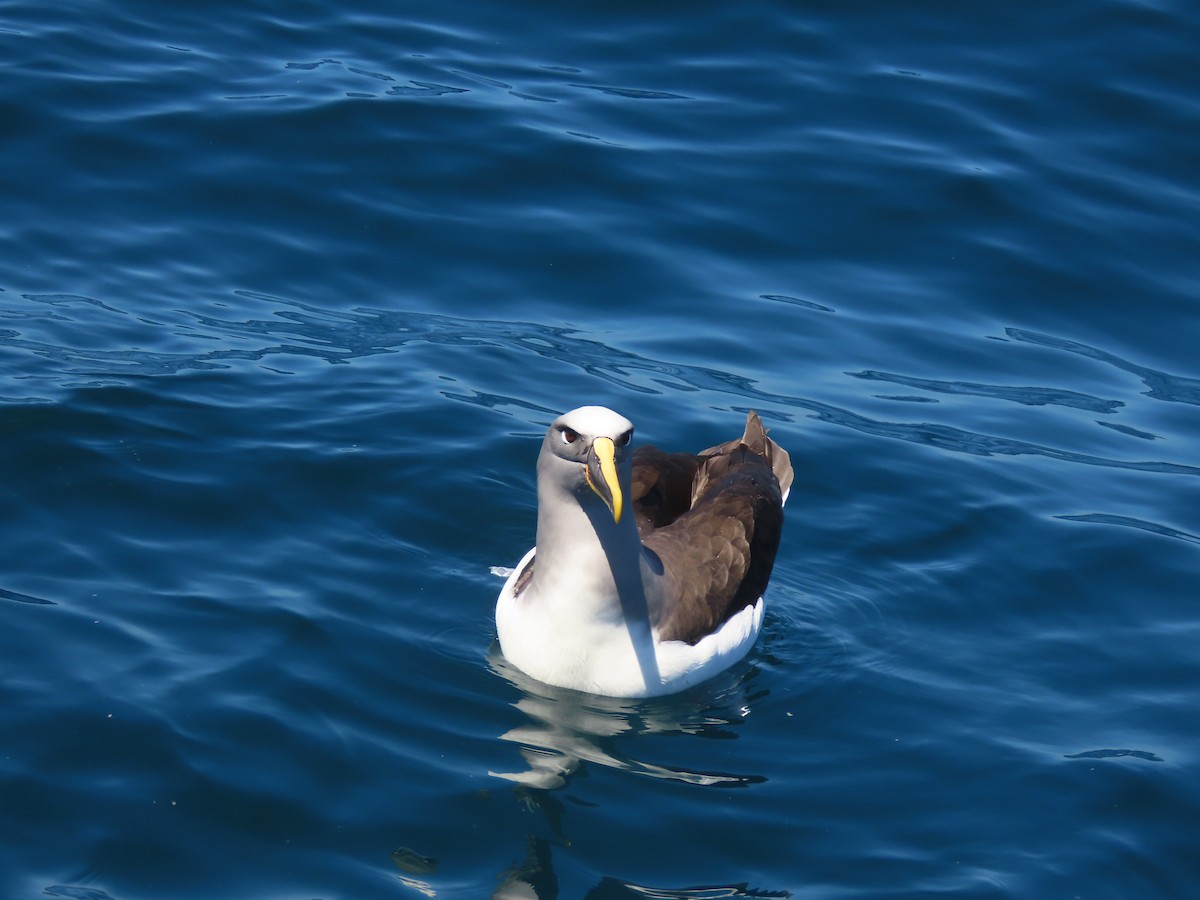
[(546, 641)]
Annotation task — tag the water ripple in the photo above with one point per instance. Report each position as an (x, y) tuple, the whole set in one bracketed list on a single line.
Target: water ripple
[(564, 729), (1027, 396), (71, 892), (631, 93), (338, 337), (1131, 522), (1170, 388), (1115, 754), (24, 598)]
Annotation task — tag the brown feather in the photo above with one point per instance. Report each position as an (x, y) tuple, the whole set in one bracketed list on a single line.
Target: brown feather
[(718, 545), (661, 486)]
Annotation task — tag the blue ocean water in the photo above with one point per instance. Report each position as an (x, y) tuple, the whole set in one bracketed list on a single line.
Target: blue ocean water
[(289, 291)]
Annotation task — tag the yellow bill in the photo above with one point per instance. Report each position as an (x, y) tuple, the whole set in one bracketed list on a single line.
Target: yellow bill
[(602, 475)]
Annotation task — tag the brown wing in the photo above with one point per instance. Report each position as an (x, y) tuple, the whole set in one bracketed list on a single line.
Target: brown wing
[(661, 488), (718, 554)]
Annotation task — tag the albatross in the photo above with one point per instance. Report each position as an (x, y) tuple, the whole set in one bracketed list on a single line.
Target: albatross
[(648, 571)]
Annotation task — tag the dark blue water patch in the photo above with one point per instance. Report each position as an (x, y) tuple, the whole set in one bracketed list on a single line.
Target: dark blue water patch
[(905, 398), (24, 598), (1132, 432), (612, 889), (1115, 754), (797, 301), (632, 93), (75, 893)]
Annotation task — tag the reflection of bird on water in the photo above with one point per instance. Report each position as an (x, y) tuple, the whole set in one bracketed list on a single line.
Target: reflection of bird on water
[(535, 879), (653, 602), (565, 729)]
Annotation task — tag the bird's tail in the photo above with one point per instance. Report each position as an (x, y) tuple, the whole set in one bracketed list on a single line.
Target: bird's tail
[(754, 439)]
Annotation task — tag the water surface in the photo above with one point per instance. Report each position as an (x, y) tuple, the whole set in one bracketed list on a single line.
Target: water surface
[(289, 292)]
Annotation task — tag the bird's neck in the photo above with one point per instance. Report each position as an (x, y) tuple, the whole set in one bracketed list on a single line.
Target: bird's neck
[(591, 571), (586, 559)]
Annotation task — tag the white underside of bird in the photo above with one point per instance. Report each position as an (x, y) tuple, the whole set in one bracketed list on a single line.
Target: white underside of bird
[(614, 657)]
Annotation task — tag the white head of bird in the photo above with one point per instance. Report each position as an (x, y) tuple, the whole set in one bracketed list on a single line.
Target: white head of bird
[(587, 452)]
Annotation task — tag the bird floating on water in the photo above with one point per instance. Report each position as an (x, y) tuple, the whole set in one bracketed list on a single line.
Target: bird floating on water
[(654, 599)]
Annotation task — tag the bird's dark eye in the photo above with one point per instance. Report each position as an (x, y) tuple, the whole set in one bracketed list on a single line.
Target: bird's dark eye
[(568, 436), (624, 439)]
